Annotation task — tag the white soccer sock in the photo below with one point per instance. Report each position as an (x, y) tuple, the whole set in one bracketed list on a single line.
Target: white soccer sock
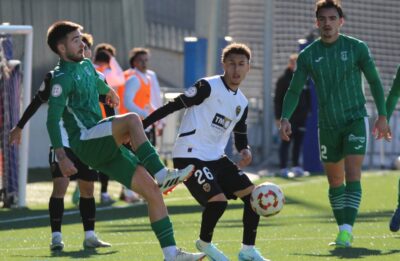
[(89, 234), (160, 175), (245, 247), (54, 234), (346, 227), (170, 252), (202, 243)]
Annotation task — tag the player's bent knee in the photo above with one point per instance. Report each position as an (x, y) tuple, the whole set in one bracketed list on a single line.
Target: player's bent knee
[(133, 118)]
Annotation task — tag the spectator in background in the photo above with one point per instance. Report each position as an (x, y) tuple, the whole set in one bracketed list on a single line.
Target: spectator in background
[(142, 91), (141, 95), (105, 62), (298, 121)]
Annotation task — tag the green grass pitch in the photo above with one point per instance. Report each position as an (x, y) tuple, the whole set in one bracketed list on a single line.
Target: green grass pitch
[(301, 231)]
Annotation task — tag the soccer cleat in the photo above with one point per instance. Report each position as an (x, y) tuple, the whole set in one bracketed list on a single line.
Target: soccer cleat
[(298, 171), (395, 221), (56, 243), (94, 242), (174, 177), (343, 239), (106, 199), (185, 256), (251, 254), (211, 251), (75, 196)]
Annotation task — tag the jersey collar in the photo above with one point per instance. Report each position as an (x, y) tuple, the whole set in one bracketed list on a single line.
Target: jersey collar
[(227, 87)]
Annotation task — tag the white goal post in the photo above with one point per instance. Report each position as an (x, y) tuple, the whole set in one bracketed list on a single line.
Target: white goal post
[(26, 30)]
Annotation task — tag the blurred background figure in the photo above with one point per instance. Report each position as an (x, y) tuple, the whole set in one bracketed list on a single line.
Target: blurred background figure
[(142, 90), (105, 63), (141, 95), (298, 122)]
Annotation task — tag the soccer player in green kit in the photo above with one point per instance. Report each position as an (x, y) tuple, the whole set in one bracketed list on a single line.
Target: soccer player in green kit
[(391, 101), (335, 63), (75, 89)]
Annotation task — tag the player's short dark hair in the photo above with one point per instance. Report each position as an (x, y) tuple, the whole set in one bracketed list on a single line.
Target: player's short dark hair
[(236, 48), (321, 4), (135, 52), (58, 32), (87, 39), (101, 56), (105, 46)]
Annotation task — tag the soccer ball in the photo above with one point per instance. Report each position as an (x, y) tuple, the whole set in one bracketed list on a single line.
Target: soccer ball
[(267, 199)]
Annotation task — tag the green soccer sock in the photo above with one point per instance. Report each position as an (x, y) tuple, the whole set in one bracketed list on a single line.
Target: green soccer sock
[(164, 232), (336, 198), (352, 201), (149, 157)]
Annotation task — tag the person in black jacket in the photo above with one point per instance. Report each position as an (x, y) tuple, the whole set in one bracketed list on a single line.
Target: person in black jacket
[(298, 120)]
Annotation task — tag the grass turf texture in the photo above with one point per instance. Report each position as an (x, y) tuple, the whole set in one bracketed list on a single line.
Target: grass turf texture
[(301, 231)]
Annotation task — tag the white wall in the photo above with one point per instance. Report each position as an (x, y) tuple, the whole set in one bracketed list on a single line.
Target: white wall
[(39, 141)]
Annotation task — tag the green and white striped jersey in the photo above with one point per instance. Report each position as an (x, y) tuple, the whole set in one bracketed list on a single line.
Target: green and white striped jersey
[(74, 98), (336, 71)]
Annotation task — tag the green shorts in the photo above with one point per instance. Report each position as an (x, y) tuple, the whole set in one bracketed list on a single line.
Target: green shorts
[(335, 144), (97, 148)]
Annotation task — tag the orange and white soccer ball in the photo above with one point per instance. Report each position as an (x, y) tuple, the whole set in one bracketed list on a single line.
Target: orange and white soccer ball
[(267, 199)]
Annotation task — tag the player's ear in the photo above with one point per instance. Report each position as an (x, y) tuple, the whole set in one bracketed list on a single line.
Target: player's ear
[(341, 20), (61, 48)]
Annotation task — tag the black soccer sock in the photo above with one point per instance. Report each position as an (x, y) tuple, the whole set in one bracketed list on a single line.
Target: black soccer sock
[(56, 211), (104, 182), (211, 214), (87, 208), (250, 223)]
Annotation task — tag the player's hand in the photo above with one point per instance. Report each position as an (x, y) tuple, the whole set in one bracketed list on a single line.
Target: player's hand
[(112, 99), (381, 129), (246, 158), (15, 135), (285, 130), (67, 167)]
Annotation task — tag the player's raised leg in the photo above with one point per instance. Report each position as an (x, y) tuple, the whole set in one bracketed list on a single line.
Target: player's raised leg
[(129, 128)]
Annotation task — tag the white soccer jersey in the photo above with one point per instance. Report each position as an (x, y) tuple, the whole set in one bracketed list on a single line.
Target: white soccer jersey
[(205, 128)]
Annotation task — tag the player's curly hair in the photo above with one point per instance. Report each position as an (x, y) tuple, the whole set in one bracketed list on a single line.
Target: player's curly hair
[(135, 52), (58, 31), (87, 39), (236, 48), (105, 47), (328, 4)]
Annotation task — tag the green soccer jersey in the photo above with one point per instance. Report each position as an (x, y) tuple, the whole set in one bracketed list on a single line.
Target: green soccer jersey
[(394, 94), (75, 89), (336, 71)]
